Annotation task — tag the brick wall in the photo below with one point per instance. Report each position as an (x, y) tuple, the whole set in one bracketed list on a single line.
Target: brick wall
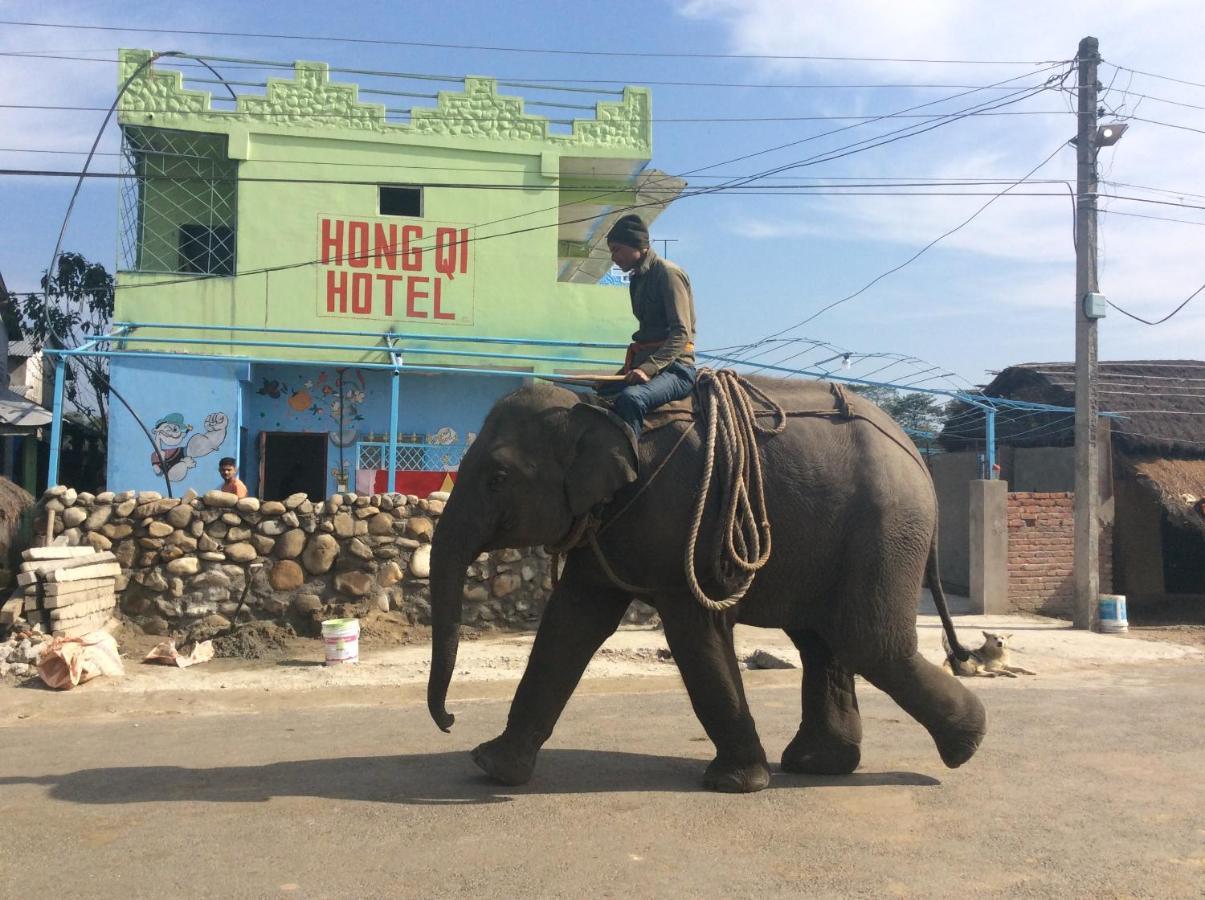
[(1041, 553)]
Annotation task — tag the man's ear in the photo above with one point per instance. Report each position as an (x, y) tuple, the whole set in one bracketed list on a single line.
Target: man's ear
[(602, 457)]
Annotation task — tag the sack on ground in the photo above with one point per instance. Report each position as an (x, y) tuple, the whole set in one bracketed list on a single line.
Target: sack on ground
[(71, 661)]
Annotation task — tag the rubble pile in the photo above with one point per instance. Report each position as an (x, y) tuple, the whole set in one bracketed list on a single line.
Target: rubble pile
[(65, 590), (188, 559), (20, 653)]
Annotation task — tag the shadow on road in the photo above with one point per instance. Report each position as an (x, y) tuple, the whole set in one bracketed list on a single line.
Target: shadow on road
[(421, 779)]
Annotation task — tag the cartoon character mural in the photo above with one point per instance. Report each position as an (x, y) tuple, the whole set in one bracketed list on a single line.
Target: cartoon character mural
[(175, 457), (337, 396)]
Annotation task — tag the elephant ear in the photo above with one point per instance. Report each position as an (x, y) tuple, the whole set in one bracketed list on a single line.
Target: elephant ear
[(602, 457)]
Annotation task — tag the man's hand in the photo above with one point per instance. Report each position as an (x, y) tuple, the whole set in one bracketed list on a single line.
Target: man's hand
[(636, 376)]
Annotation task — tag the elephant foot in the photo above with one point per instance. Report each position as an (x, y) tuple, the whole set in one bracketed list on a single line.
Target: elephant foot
[(502, 762), (808, 755), (736, 779), (960, 739)]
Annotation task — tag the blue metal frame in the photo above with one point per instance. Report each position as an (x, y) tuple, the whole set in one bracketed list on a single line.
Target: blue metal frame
[(124, 332)]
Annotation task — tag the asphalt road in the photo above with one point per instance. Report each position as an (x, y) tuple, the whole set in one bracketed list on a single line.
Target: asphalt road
[(1089, 785)]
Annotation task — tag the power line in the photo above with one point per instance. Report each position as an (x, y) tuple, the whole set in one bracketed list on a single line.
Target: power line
[(666, 120), (920, 252), (1115, 212), (533, 81), (1126, 312), (857, 147), (1160, 77), (503, 49)]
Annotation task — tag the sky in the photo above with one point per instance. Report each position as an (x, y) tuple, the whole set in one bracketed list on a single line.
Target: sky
[(998, 291)]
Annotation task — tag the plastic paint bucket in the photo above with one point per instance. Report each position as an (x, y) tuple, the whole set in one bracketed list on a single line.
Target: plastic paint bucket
[(341, 637), (1111, 610)]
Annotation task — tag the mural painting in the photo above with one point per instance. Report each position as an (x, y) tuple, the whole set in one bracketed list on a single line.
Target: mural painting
[(174, 456), (331, 400)]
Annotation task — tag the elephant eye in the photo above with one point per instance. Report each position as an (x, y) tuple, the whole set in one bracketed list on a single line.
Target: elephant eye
[(497, 480)]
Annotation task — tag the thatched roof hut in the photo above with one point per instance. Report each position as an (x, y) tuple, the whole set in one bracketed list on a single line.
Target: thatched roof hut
[(1158, 432)]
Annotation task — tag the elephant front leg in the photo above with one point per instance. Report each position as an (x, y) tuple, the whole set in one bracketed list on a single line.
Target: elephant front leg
[(830, 733), (575, 624), (702, 646)]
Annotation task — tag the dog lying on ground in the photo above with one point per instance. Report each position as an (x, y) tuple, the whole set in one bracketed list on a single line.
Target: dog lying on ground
[(989, 661)]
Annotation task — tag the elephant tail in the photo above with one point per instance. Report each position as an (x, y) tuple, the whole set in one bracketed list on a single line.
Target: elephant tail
[(933, 580)]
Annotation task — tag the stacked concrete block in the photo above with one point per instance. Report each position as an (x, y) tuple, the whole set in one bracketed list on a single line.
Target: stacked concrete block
[(67, 590)]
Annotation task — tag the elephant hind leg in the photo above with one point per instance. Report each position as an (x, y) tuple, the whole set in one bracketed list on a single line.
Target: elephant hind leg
[(830, 733), (952, 714)]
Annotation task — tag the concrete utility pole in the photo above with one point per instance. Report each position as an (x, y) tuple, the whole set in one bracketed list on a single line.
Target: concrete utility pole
[(1087, 458)]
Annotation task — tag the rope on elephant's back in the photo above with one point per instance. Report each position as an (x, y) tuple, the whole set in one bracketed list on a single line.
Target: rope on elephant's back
[(733, 424)]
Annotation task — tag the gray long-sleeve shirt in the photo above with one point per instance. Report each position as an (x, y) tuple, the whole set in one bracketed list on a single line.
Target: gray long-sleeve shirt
[(665, 308)]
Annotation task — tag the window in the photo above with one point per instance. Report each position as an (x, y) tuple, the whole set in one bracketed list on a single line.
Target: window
[(207, 249), (400, 201)]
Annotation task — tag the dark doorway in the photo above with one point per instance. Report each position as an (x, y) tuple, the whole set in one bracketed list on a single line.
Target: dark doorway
[(291, 463), (1183, 559)]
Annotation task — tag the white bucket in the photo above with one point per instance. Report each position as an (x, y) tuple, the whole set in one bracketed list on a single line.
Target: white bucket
[(341, 638), (1112, 614)]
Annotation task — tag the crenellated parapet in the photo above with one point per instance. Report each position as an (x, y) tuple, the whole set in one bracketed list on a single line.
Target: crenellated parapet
[(311, 100)]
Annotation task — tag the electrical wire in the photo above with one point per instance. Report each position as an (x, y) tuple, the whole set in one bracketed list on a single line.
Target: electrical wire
[(859, 146), (919, 253), (328, 38), (1158, 76), (1126, 312)]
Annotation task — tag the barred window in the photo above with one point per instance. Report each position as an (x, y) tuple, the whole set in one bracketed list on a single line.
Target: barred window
[(179, 197)]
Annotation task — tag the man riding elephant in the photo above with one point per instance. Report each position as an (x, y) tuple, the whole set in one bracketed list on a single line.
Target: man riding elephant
[(660, 363)]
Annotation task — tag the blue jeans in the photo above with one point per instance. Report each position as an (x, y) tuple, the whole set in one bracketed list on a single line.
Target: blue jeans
[(674, 382)]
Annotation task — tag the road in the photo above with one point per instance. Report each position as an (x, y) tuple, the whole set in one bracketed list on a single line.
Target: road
[(1089, 784)]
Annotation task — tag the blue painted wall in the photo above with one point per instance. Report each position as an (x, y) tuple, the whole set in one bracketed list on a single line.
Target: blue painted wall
[(356, 408), (177, 398), (191, 408)]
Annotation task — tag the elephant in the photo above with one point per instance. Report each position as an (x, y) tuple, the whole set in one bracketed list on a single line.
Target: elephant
[(854, 526)]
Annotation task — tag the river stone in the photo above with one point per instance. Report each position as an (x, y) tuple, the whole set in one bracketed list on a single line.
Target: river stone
[(248, 504), (286, 575), (420, 528), (74, 516), (185, 542), (217, 530), (291, 544), (240, 552), (389, 574), (272, 508), (154, 581), (307, 508), (220, 499), (196, 528), (381, 523), (206, 544), (159, 529), (357, 584), (185, 565), (117, 531), (98, 518), (358, 549), (306, 604), (179, 516), (212, 556), (273, 527), (98, 541), (420, 562), (476, 594), (295, 500), (232, 519), (126, 552), (234, 535), (505, 584), (344, 525), (123, 510), (320, 554), (263, 545), (334, 501)]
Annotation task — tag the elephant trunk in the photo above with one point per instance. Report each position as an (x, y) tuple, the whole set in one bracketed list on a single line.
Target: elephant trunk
[(455, 545)]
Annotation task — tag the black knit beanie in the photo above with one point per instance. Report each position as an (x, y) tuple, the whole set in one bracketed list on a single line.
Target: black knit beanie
[(631, 231)]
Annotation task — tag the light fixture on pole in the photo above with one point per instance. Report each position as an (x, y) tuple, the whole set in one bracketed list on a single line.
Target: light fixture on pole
[(1109, 134)]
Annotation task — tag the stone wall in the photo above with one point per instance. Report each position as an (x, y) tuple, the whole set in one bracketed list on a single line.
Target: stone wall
[(188, 559), (1041, 553)]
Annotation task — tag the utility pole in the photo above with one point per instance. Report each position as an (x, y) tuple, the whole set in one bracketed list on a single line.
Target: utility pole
[(1087, 458)]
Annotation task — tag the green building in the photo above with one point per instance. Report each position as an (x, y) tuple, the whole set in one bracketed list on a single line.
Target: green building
[(333, 290)]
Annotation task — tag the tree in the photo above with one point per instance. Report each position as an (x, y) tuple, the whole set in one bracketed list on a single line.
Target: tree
[(919, 414), (77, 300)]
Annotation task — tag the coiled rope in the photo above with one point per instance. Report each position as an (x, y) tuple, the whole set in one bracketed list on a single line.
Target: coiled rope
[(731, 427)]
